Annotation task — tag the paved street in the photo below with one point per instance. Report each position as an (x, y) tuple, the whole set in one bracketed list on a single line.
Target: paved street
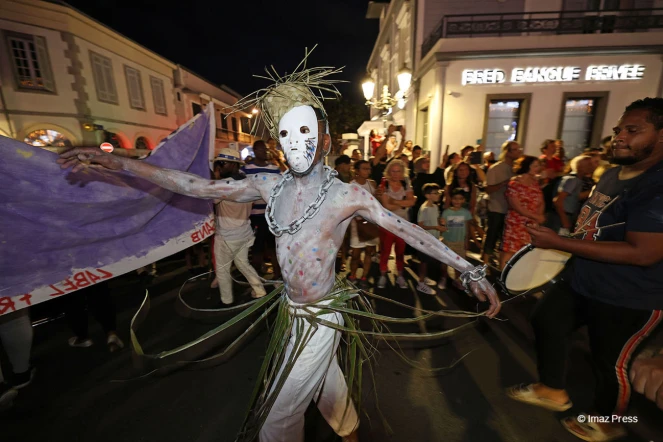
[(79, 394)]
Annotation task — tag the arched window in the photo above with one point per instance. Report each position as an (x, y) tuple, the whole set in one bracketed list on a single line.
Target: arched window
[(114, 139), (142, 143), (46, 138)]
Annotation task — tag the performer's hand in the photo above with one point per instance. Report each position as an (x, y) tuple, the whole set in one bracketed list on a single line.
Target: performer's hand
[(80, 156), (647, 378), (543, 237), (483, 290)]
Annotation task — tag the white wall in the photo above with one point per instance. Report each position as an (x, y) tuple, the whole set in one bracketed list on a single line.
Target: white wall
[(464, 114), (112, 116), (62, 101)]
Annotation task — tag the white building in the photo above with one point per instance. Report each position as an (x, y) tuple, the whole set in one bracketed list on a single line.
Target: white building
[(494, 70), (193, 93), (66, 79)]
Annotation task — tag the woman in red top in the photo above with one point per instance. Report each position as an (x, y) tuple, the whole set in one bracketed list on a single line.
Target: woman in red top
[(525, 206), (376, 141)]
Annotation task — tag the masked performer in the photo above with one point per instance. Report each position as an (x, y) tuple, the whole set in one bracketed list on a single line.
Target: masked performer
[(308, 211)]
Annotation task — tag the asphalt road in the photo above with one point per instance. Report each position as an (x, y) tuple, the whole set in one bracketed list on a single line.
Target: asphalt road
[(86, 395)]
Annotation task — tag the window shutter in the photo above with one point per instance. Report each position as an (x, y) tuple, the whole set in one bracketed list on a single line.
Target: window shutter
[(110, 83), (158, 96), (44, 64), (98, 73), (135, 88)]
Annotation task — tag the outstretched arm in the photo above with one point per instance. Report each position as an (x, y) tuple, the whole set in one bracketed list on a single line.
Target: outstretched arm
[(424, 242), (174, 180)]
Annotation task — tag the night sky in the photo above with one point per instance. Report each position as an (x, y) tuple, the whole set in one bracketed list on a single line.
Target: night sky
[(228, 42)]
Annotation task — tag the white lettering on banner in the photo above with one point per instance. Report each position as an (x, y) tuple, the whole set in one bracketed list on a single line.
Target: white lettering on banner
[(483, 76), (554, 74), (614, 72), (80, 278), (545, 75)]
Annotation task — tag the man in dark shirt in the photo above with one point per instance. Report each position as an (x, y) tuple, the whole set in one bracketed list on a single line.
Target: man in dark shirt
[(614, 285)]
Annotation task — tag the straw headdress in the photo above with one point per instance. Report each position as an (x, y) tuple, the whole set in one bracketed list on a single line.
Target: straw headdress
[(303, 87)]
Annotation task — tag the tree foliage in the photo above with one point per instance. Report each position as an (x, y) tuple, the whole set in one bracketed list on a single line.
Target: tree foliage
[(344, 117)]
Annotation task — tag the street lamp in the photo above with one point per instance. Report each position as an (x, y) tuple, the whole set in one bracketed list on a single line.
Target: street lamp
[(404, 79), (368, 86)]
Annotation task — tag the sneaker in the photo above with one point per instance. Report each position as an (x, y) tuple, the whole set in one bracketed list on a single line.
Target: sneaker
[(376, 258), (75, 341), (7, 395), (382, 282), (442, 284), (429, 281), (424, 288), (400, 281), (114, 343), (24, 379)]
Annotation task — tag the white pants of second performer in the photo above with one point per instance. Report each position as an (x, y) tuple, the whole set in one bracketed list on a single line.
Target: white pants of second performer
[(225, 252), (313, 377)]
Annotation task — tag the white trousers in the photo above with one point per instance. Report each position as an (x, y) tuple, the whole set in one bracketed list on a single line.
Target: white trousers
[(225, 252), (315, 376), (16, 338)]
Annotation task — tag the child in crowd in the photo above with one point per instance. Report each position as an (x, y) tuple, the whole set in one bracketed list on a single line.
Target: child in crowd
[(428, 219), (457, 218)]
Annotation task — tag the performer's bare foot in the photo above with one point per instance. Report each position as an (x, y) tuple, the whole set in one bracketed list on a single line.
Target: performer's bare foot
[(352, 437)]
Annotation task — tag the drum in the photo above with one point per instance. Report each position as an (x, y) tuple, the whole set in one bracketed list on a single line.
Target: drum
[(533, 269)]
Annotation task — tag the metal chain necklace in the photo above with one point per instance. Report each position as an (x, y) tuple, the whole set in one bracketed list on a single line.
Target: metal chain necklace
[(311, 210)]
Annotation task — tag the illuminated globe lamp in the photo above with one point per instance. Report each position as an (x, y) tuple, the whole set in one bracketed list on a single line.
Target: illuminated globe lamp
[(404, 79), (368, 86)]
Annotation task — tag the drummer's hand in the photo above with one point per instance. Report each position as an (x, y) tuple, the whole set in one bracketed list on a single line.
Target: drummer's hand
[(483, 290), (543, 237)]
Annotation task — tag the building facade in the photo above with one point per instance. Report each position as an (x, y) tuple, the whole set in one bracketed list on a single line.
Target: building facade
[(487, 71), (193, 93), (68, 80)]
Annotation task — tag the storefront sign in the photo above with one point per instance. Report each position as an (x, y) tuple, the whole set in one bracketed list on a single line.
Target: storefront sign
[(623, 72), (545, 75), (554, 74), (483, 76)]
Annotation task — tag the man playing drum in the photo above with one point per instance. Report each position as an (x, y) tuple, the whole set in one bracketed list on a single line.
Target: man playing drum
[(614, 284)]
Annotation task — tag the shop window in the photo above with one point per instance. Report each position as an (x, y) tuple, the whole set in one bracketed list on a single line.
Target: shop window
[(47, 138), (578, 125), (503, 123), (114, 139)]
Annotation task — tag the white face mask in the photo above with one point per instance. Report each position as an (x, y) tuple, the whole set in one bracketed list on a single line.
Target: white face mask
[(298, 134)]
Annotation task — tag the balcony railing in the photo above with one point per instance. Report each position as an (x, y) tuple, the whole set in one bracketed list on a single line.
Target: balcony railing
[(229, 135), (554, 22)]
